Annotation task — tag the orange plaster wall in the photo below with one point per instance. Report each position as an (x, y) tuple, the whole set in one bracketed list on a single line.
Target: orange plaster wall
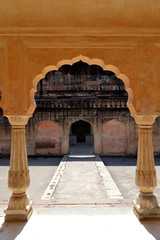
[(114, 137), (48, 138), (82, 13), (32, 38)]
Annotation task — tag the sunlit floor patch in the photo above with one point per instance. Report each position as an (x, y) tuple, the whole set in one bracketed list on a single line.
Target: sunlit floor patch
[(81, 179), (91, 224)]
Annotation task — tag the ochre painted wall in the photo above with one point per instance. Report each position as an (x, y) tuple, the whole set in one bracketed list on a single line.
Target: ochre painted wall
[(34, 36)]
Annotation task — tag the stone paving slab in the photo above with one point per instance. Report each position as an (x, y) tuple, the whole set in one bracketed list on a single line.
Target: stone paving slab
[(123, 171), (108, 182), (80, 183), (55, 180), (81, 179)]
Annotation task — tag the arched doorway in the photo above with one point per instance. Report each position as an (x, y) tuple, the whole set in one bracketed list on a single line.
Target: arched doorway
[(81, 133), (81, 137)]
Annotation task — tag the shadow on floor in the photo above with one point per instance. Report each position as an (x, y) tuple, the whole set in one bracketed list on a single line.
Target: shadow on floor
[(127, 161), (38, 161), (10, 230), (153, 227)]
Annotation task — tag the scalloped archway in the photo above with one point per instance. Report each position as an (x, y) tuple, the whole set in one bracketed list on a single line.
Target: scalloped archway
[(89, 61)]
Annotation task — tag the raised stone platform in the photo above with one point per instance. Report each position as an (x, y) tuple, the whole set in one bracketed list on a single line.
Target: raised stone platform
[(81, 223)]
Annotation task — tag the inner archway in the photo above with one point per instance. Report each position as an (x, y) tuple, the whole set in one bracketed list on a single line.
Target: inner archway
[(81, 133), (81, 137), (80, 94)]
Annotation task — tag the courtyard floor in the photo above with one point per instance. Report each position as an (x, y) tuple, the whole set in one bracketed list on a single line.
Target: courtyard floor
[(80, 197)]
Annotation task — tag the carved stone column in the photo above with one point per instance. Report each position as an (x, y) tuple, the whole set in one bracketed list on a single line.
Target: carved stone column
[(65, 140), (98, 138), (19, 207), (146, 205)]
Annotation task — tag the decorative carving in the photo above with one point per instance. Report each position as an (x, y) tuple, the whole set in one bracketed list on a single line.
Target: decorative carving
[(17, 121), (18, 201), (146, 180), (146, 201), (19, 181), (145, 121)]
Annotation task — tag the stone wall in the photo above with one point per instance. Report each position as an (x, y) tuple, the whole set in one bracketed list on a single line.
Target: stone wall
[(114, 137), (48, 138), (99, 121)]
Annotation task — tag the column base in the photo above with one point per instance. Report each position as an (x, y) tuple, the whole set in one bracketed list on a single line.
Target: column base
[(146, 206), (143, 214), (18, 214)]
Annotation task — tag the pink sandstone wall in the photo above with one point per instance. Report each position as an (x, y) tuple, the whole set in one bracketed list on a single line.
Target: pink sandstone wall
[(48, 138), (114, 137)]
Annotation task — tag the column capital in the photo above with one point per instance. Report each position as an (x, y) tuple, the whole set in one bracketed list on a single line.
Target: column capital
[(145, 120), (18, 120)]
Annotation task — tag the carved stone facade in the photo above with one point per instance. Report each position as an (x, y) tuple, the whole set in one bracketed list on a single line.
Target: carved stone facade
[(86, 94)]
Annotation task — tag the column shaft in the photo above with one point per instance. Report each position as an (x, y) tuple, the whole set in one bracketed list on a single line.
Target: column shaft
[(146, 179), (65, 140), (19, 206), (146, 205), (97, 139)]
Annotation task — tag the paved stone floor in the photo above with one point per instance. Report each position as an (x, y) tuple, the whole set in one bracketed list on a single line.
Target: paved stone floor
[(80, 183), (81, 179), (122, 171)]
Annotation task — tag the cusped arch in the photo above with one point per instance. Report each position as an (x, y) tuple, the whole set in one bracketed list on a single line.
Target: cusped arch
[(80, 119), (89, 61)]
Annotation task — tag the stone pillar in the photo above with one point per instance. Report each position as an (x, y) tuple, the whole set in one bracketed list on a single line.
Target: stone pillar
[(146, 205), (65, 140), (19, 206), (97, 138)]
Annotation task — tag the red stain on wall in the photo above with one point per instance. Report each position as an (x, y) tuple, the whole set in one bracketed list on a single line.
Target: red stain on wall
[(114, 137), (48, 138)]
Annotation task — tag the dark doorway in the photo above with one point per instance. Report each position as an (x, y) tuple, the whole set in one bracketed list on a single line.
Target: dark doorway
[(81, 129), (81, 133)]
